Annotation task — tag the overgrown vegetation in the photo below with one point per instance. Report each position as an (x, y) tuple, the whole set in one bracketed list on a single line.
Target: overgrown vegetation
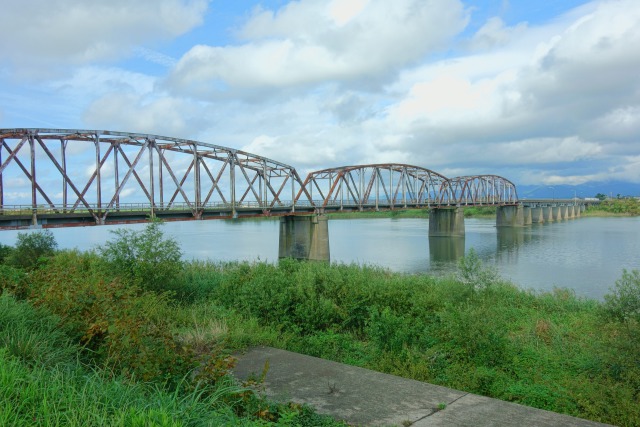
[(90, 339), (99, 338), (616, 207)]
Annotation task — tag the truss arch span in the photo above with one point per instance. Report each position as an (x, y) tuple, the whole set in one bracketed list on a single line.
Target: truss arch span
[(377, 185), (99, 172), (482, 190)]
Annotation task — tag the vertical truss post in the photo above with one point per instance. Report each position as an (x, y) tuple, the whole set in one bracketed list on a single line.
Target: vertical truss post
[(361, 192), (34, 201), (98, 180), (1, 190), (377, 172), (403, 178), (152, 190), (116, 174), (196, 181), (232, 182), (160, 178), (393, 195), (65, 185), (264, 185), (293, 190), (341, 191)]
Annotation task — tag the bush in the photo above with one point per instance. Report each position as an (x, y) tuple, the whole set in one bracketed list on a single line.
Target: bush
[(12, 280), (31, 248), (121, 325), (5, 253), (623, 303), (146, 256), (472, 272)]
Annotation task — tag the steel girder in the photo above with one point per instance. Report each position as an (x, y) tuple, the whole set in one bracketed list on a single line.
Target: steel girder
[(377, 185), (482, 190), (139, 169)]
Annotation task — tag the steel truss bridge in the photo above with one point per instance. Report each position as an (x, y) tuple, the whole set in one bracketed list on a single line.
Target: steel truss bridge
[(86, 177)]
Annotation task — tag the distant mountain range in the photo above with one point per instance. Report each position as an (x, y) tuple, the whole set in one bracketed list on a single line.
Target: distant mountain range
[(610, 188)]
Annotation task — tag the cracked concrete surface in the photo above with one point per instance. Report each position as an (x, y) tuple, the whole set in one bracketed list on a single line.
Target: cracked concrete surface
[(368, 398)]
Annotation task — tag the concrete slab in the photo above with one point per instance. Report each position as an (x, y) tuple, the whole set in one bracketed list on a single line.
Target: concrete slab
[(364, 397)]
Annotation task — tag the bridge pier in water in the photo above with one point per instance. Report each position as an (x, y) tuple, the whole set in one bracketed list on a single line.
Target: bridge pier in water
[(511, 216), (537, 215), (304, 237), (527, 215), (446, 222)]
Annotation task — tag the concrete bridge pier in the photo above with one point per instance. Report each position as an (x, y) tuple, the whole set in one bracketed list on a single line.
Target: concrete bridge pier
[(304, 237), (527, 215), (570, 212), (537, 215), (547, 213), (556, 213), (446, 222), (510, 216)]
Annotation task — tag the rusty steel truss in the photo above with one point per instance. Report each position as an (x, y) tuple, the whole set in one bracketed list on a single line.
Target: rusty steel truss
[(376, 186), (482, 190), (392, 186), (94, 177), (128, 172)]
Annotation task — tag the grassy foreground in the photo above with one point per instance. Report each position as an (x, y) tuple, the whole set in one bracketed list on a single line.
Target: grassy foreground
[(131, 335)]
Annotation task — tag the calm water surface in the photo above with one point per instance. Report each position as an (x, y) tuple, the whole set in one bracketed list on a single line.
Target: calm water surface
[(586, 254)]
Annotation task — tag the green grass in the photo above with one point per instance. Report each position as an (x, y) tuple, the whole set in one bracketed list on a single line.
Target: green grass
[(615, 207), (552, 350), (42, 382), (82, 343)]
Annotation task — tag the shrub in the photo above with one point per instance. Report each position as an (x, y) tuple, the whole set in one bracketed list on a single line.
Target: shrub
[(472, 272), (145, 256), (12, 280), (5, 253), (31, 248), (123, 326), (623, 303)]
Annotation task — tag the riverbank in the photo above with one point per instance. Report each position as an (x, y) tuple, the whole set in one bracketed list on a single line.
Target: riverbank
[(615, 208), (134, 310), (469, 212)]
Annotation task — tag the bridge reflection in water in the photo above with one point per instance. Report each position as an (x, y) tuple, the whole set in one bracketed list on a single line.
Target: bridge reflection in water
[(70, 177)]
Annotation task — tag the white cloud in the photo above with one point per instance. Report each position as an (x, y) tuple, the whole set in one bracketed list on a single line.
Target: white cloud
[(128, 112), (312, 42), (494, 33), (350, 82), (543, 150), (67, 32), (91, 81), (573, 102)]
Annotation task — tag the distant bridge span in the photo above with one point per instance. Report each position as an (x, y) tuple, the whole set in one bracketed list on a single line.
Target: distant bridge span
[(392, 185), (65, 177)]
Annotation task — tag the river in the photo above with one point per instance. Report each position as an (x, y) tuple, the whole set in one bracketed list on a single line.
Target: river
[(585, 254)]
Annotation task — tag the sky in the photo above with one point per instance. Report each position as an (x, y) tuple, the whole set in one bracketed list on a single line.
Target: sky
[(542, 93)]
